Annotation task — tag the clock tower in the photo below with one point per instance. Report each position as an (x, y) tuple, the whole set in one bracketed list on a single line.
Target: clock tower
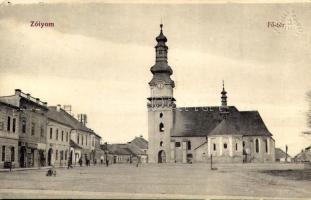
[(160, 105)]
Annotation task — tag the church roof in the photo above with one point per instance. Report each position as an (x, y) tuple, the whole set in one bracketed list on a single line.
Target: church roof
[(205, 121)]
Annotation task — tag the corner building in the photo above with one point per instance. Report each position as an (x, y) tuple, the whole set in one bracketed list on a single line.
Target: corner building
[(194, 134)]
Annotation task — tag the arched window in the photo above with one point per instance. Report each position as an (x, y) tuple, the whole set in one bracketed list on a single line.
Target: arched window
[(161, 115), (161, 127), (257, 145), (225, 145), (161, 144)]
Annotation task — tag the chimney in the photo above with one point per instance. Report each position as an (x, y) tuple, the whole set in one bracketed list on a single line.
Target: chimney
[(28, 96), (82, 118), (58, 107), (45, 104), (37, 100), (18, 92)]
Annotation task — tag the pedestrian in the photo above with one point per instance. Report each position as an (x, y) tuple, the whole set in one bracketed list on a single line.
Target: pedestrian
[(80, 162)]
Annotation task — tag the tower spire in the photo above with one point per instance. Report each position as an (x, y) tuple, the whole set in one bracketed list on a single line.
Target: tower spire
[(161, 64), (223, 95)]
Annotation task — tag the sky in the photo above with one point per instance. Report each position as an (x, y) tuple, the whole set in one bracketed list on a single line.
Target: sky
[(97, 58)]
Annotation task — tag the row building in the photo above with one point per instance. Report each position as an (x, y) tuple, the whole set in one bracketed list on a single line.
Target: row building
[(33, 134)]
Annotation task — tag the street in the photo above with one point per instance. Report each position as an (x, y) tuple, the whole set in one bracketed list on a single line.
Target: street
[(154, 181)]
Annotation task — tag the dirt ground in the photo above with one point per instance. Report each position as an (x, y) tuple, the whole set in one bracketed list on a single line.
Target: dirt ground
[(160, 181)]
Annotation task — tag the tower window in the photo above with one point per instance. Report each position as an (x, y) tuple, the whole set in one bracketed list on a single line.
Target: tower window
[(161, 115), (161, 127), (225, 146), (161, 144), (177, 144)]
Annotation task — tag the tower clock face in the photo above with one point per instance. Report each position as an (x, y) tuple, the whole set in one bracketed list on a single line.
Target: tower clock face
[(160, 85)]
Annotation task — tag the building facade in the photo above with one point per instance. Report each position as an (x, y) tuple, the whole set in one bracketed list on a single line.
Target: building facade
[(32, 128), (9, 134), (35, 135), (195, 134)]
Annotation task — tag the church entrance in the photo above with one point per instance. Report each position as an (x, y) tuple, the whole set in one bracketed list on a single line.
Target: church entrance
[(161, 157)]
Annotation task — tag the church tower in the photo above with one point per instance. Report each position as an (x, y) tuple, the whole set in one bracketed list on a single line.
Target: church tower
[(160, 105), (224, 111)]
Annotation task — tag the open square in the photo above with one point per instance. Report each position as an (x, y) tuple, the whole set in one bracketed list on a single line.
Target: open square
[(157, 181)]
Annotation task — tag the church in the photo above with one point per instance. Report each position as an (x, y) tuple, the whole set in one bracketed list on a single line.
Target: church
[(195, 134)]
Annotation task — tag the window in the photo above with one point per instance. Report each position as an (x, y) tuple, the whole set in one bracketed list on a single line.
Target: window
[(1, 125), (161, 144), (23, 126), (66, 155), (8, 128), (66, 136), (12, 154), (188, 145), (82, 139), (160, 51), (3, 154), (161, 127), (266, 144), (42, 131), (56, 134), (214, 147), (33, 128), (78, 139), (177, 144), (225, 145), (51, 133), (56, 155), (243, 144), (62, 135), (236, 146), (86, 140), (257, 145), (161, 115), (61, 153), (14, 125)]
